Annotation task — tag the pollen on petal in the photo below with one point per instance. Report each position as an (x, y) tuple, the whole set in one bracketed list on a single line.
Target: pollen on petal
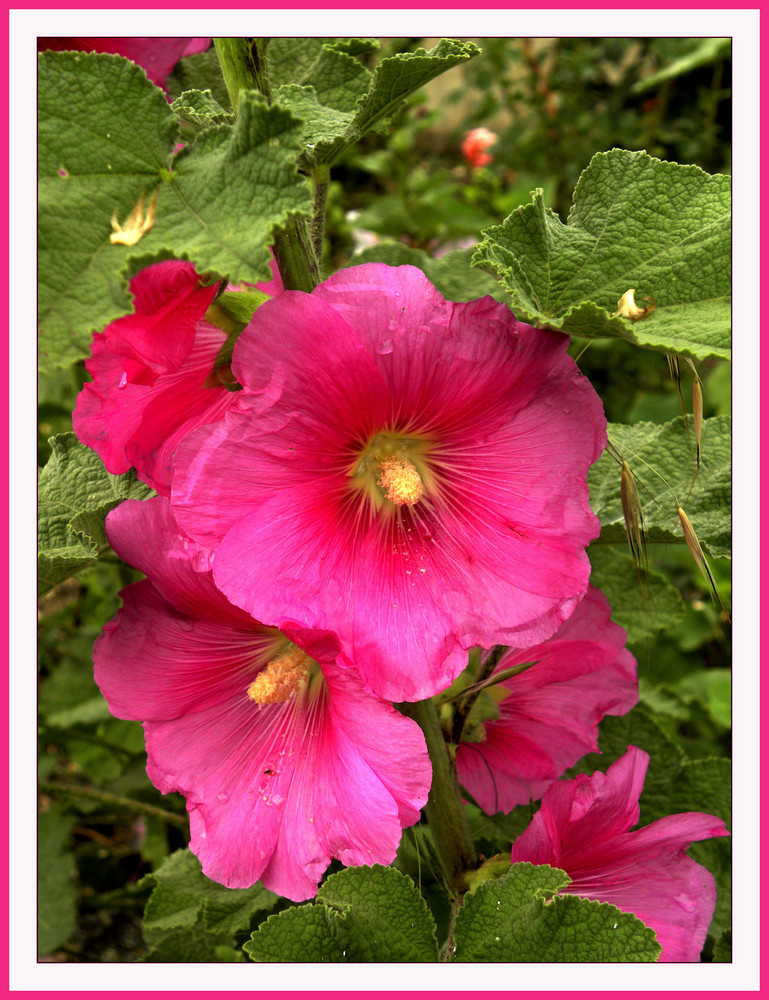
[(400, 481), (281, 678)]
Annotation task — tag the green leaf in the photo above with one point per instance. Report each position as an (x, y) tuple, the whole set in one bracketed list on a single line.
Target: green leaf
[(713, 687), (520, 918), (229, 194), (384, 917), (183, 897), (75, 493), (105, 135), (451, 274), (659, 456), (299, 934), (339, 100), (640, 612), (637, 222), (361, 914), (709, 50), (201, 71), (55, 886), (200, 108), (113, 137), (722, 951), (189, 944)]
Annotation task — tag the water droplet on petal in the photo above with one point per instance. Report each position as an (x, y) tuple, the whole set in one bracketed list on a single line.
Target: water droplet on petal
[(277, 798), (123, 380), (186, 625), (223, 797), (385, 347)]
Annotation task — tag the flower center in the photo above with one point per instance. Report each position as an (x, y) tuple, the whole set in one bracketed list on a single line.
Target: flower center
[(282, 677), (392, 470), (400, 481)]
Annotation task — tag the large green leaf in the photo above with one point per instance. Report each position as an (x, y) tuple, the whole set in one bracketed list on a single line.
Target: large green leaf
[(339, 100), (189, 918), (107, 137), (659, 456), (75, 494), (361, 914), (520, 918), (637, 222)]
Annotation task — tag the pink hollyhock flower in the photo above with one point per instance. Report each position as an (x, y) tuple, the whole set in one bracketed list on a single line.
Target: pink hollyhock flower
[(475, 144), (583, 828), (153, 375), (406, 472), (156, 56), (549, 714), (284, 758)]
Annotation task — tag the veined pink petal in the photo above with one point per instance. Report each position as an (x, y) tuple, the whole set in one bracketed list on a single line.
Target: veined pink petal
[(550, 717), (583, 827), (274, 790), (493, 549)]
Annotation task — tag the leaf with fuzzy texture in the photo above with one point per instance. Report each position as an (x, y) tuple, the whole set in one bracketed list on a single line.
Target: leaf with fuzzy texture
[(521, 918), (339, 99), (659, 456), (106, 138), (75, 494), (639, 223)]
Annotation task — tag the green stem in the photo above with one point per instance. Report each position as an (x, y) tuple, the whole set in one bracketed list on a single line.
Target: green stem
[(130, 805), (244, 67), (444, 810), (321, 176)]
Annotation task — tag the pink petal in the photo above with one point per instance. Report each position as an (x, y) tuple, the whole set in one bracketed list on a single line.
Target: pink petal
[(275, 793), (550, 719), (583, 827), (494, 554)]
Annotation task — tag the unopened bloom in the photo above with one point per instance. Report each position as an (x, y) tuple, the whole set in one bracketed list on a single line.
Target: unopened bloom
[(156, 56), (406, 472), (583, 828), (153, 375), (549, 714), (475, 144), (285, 760)]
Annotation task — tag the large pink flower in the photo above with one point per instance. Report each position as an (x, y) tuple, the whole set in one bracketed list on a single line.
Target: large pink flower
[(157, 56), (153, 375), (284, 759), (583, 827), (407, 472), (549, 714)]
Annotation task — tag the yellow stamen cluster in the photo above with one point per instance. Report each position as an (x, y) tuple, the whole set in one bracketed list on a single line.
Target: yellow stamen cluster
[(281, 678), (400, 481)]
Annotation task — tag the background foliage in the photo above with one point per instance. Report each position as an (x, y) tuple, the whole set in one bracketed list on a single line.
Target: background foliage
[(116, 882)]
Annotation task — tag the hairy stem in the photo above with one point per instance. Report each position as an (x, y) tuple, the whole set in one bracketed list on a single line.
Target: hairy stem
[(444, 810), (244, 67)]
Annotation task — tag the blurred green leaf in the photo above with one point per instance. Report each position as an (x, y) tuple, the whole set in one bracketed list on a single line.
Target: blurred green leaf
[(641, 607), (451, 274), (709, 50), (55, 886)]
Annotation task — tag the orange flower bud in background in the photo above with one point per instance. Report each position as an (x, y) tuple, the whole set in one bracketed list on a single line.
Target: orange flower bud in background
[(475, 144)]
